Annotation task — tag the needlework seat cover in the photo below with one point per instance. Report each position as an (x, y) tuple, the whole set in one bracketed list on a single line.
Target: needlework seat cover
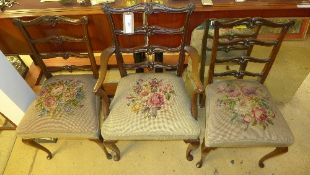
[(65, 107), (150, 106), (241, 113)]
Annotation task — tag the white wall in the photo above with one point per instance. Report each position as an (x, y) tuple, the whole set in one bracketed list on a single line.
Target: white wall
[(15, 94)]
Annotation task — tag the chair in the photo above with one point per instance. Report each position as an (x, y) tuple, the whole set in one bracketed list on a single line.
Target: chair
[(65, 106), (225, 34), (240, 112), (150, 106)]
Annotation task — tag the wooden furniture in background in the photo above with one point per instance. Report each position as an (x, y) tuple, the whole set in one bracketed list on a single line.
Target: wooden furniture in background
[(13, 42)]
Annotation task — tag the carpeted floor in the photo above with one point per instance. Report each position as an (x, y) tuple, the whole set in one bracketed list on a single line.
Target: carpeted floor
[(85, 157), (7, 140)]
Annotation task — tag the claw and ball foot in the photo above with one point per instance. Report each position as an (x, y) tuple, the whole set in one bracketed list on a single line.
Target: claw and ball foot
[(276, 152)]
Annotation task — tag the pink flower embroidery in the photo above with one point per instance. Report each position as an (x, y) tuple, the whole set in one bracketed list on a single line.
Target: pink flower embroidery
[(58, 97), (260, 114), (156, 100), (150, 96), (248, 90), (246, 104), (247, 119), (50, 102), (233, 92)]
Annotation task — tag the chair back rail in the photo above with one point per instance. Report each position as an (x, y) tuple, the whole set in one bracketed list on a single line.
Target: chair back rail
[(245, 42), (229, 37), (59, 40), (147, 31)]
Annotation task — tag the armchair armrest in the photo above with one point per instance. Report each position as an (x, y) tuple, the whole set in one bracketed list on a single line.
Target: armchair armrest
[(193, 54), (104, 59), (98, 90)]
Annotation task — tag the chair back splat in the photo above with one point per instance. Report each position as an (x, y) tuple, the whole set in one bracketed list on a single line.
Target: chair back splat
[(152, 34), (54, 37), (246, 42)]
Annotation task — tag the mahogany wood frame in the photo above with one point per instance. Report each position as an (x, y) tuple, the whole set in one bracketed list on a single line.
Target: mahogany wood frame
[(146, 29), (57, 39)]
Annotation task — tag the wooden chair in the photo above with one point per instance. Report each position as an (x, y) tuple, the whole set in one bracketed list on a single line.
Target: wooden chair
[(240, 112), (66, 106), (150, 106)]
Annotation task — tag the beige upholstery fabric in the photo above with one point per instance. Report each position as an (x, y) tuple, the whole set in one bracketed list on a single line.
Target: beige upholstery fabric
[(241, 113), (150, 107), (66, 107)]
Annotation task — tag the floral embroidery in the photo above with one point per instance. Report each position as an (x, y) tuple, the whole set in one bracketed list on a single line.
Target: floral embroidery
[(150, 96), (246, 105), (58, 97)]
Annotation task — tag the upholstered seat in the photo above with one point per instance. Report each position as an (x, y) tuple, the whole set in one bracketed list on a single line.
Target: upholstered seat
[(242, 113), (65, 107), (150, 107)]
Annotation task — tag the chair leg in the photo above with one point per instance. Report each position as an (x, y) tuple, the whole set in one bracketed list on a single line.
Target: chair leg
[(202, 100), (204, 152), (112, 146), (276, 152), (102, 145), (33, 143), (193, 144)]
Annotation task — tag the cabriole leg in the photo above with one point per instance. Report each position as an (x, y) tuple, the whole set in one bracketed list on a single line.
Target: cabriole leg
[(193, 144), (112, 146), (204, 152), (101, 144), (276, 152), (33, 143)]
